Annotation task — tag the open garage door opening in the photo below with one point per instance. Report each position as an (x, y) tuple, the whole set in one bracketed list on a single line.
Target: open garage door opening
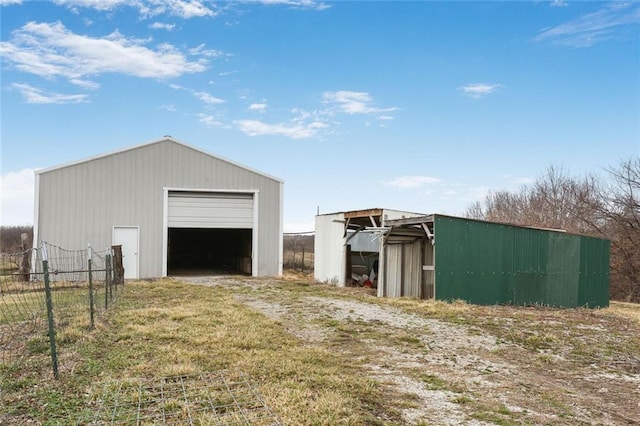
[(196, 251), (209, 233)]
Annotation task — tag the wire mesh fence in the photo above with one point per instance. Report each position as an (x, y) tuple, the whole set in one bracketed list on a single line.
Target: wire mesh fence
[(298, 251), (223, 398), (49, 298)]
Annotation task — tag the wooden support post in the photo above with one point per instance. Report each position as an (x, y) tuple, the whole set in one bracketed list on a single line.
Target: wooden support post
[(118, 267)]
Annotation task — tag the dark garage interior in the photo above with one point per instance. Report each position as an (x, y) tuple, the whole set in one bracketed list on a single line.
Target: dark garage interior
[(196, 251)]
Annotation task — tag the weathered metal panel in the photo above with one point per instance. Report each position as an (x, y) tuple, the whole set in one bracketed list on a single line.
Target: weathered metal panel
[(489, 263), (330, 244), (390, 214), (428, 274), (329, 250), (82, 202), (412, 274), (402, 268), (365, 241), (393, 270)]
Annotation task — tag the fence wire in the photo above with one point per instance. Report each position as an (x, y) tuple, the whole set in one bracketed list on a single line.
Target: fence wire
[(299, 251), (81, 288), (223, 398), (23, 313)]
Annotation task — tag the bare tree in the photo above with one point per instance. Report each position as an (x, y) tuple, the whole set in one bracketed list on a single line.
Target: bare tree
[(549, 202), (588, 206), (11, 238), (622, 210)]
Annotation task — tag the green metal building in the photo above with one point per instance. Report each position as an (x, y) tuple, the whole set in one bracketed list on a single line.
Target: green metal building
[(486, 263)]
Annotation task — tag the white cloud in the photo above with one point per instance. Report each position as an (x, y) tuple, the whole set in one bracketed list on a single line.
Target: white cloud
[(209, 53), (86, 84), (182, 8), (205, 97), (51, 50), (162, 26), (302, 4), (186, 9), (307, 124), (33, 95), (17, 197), (209, 120), (208, 98), (225, 73), (293, 130), (479, 90), (101, 5), (353, 102), (169, 107), (405, 182), (604, 24), (9, 2), (258, 107), (559, 3)]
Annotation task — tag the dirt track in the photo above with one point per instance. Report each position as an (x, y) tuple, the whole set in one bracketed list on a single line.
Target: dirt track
[(483, 365)]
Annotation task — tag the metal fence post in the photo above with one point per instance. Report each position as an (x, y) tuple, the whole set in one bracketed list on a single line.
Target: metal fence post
[(303, 247), (49, 303), (107, 280), (91, 309)]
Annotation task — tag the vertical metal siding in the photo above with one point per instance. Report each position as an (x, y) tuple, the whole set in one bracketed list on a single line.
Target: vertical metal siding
[(393, 270), (403, 269), (412, 276), (473, 262), (563, 267), (594, 273), (428, 283), (82, 202), (329, 249), (530, 260), (488, 263)]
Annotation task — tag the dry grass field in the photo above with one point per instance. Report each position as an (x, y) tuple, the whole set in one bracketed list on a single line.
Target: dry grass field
[(321, 355)]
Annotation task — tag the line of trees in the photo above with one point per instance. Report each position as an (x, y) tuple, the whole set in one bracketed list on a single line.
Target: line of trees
[(11, 240), (298, 251), (603, 207)]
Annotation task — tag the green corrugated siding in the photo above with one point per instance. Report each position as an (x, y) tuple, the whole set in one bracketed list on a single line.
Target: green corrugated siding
[(488, 263), (594, 273), (464, 269)]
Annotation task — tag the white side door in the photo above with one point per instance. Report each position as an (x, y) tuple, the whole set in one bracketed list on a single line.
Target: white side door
[(127, 237)]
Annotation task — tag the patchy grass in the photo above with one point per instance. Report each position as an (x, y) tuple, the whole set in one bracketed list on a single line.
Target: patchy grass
[(628, 310), (168, 328), (317, 359)]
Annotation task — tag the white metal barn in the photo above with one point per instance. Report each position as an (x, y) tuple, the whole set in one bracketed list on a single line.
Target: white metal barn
[(174, 209), (347, 244)]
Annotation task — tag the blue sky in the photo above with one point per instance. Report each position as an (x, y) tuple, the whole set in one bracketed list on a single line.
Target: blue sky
[(418, 106)]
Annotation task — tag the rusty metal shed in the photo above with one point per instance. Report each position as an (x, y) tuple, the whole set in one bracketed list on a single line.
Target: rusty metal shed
[(448, 258), (347, 244)]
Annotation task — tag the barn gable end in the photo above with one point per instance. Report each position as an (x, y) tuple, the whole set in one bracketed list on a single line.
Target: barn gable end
[(127, 192)]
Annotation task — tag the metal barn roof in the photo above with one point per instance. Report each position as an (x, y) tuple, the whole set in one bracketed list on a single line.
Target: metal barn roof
[(153, 142)]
